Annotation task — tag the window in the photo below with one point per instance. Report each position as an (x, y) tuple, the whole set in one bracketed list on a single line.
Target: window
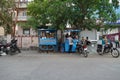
[(24, 13), (26, 31)]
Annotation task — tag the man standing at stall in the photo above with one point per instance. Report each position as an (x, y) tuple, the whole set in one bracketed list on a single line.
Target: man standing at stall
[(70, 43), (75, 41)]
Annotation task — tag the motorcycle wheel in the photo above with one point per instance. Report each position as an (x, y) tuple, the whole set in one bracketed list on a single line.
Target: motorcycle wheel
[(12, 51), (0, 53), (80, 50), (106, 50), (99, 52), (115, 53), (85, 53)]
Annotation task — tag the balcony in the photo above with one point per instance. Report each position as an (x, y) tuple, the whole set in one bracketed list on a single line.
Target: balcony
[(21, 5), (21, 1), (21, 18)]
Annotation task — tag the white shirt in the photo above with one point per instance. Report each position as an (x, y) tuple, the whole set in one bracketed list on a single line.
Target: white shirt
[(70, 41)]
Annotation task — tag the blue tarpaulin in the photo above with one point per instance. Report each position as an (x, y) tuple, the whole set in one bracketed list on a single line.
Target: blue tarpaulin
[(48, 41), (74, 45), (66, 45)]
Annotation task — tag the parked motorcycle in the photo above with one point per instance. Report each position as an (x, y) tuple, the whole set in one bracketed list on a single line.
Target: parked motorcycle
[(3, 48), (13, 48), (108, 48)]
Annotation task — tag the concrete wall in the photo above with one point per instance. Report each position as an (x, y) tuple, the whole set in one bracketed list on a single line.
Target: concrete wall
[(27, 41), (92, 35), (19, 31), (2, 31)]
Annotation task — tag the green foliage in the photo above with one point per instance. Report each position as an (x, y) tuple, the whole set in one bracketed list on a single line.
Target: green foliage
[(118, 16), (79, 13), (24, 25), (5, 15), (31, 22), (8, 29)]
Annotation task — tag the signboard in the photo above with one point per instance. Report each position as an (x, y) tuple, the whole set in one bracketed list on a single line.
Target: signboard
[(48, 41)]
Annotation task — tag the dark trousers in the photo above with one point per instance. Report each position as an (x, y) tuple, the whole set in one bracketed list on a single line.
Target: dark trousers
[(117, 44), (70, 48)]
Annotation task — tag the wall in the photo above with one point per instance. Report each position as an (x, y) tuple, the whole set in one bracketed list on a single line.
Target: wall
[(27, 41), (92, 35), (1, 31), (19, 31)]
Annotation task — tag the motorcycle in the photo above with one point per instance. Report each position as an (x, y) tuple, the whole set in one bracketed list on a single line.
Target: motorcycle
[(108, 48), (13, 47), (3, 48), (82, 49), (9, 48)]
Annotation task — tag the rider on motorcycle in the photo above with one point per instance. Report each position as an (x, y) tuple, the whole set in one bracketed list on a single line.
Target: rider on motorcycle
[(101, 43), (106, 43)]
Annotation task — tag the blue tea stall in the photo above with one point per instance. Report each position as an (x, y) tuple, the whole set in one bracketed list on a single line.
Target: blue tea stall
[(74, 34), (47, 40)]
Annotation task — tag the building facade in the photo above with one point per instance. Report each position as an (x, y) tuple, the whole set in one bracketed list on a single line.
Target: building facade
[(2, 32), (20, 16)]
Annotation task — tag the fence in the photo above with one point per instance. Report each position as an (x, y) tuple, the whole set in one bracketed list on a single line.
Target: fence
[(27, 41)]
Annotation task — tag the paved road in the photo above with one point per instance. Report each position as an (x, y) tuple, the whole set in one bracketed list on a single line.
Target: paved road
[(30, 65)]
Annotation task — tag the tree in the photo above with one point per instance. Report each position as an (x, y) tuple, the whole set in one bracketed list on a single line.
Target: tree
[(46, 11), (6, 6), (82, 14)]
